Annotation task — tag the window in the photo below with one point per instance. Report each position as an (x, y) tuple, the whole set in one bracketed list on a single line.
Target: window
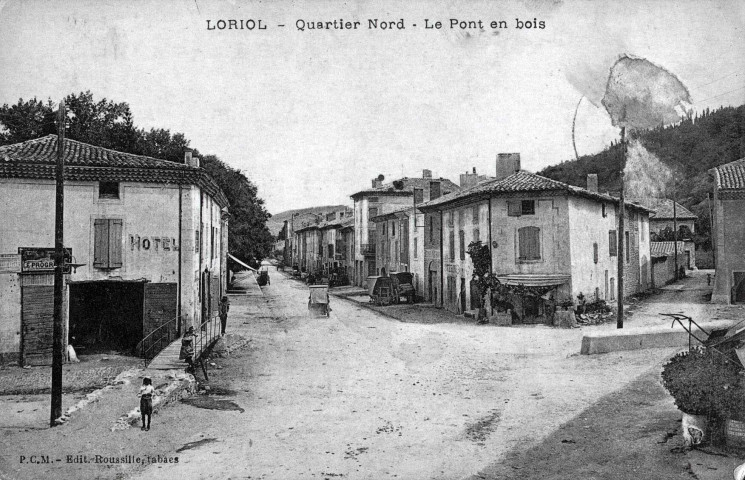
[(628, 250), (528, 207), (462, 241), (530, 243), (612, 288), (434, 190), (197, 241), (384, 225), (450, 219), (393, 228), (461, 218), (475, 215), (605, 213), (416, 247), (331, 250), (372, 212), (595, 252), (476, 235), (515, 208), (431, 230), (418, 196), (330, 216), (451, 243), (107, 242), (612, 243), (108, 189)]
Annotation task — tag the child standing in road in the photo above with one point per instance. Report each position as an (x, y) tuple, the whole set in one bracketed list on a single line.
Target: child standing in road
[(146, 401)]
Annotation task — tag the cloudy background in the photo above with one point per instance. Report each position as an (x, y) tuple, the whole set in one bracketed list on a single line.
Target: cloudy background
[(312, 116)]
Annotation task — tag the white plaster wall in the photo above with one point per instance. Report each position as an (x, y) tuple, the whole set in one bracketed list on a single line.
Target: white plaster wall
[(587, 226)]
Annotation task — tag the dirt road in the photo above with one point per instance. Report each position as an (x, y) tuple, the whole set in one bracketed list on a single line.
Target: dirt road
[(358, 395)]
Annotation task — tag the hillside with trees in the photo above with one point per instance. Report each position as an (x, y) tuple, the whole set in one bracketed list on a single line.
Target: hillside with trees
[(111, 125), (277, 221), (689, 149)]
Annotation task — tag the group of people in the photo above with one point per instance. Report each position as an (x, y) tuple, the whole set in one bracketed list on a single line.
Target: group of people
[(187, 354)]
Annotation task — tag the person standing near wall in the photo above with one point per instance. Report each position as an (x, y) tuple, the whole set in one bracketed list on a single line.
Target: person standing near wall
[(224, 307)]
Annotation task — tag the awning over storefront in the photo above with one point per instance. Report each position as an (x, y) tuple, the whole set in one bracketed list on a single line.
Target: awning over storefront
[(240, 262), (534, 280)]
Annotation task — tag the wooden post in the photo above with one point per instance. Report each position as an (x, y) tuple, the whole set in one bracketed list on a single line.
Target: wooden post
[(59, 265), (620, 235), (675, 237)]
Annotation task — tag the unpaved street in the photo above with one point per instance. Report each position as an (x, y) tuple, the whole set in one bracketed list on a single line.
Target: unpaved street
[(359, 395)]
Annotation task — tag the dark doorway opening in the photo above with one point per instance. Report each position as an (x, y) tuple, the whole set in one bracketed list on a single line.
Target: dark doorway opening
[(105, 316)]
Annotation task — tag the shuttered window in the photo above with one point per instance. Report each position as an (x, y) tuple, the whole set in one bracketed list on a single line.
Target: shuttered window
[(514, 209), (475, 215), (476, 235), (595, 252), (612, 243), (452, 245), (628, 249), (418, 196), (107, 243), (462, 241), (530, 243)]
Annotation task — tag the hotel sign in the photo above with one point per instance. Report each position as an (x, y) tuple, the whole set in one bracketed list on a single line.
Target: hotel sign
[(42, 259)]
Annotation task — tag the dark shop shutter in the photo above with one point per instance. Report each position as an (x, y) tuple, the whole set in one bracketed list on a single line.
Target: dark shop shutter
[(159, 307), (101, 243), (37, 324), (115, 243)]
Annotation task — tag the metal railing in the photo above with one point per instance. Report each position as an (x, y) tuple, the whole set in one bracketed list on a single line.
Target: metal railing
[(209, 331), (155, 341)]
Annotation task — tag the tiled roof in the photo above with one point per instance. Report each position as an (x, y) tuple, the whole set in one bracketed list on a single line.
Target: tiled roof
[(665, 249), (730, 176), (519, 182), (409, 184), (664, 209), (83, 162), (391, 214)]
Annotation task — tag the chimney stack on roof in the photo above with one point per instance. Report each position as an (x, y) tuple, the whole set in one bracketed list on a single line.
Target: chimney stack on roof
[(592, 182), (507, 164), (426, 173), (377, 183), (190, 160), (469, 179)]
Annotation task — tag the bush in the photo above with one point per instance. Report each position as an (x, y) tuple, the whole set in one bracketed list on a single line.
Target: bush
[(704, 382)]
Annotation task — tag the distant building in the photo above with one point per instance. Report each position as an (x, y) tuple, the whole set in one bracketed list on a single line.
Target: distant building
[(729, 232), (383, 198), (662, 223), (558, 240), (663, 262), (146, 246)]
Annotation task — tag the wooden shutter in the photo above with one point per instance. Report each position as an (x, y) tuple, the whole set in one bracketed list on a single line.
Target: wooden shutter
[(462, 241), (529, 240), (514, 208), (452, 245), (612, 243), (115, 243), (595, 252), (37, 320), (100, 243)]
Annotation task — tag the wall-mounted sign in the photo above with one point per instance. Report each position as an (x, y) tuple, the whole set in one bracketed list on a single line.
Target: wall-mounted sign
[(42, 259), (154, 244)]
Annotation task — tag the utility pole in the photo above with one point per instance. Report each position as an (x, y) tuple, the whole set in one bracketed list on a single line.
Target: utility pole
[(620, 235), (59, 265), (675, 236)]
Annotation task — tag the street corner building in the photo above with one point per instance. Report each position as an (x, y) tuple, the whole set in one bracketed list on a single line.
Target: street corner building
[(556, 243), (145, 249), (401, 196), (729, 232)]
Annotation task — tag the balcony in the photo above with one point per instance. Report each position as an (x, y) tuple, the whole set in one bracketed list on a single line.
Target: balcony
[(367, 249)]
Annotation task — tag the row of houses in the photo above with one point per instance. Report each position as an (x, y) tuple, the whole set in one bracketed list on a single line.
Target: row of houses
[(555, 241), (145, 248)]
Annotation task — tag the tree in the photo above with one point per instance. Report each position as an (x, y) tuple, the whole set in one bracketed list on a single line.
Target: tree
[(111, 125), (482, 275)]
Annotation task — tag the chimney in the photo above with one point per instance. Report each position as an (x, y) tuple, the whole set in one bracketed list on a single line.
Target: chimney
[(434, 189), (426, 173), (592, 182), (469, 179), (190, 160), (507, 164), (377, 183)]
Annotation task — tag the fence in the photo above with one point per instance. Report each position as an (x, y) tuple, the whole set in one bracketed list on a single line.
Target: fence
[(158, 339), (208, 332)]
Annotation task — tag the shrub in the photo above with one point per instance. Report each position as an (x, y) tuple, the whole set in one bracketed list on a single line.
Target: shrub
[(705, 382)]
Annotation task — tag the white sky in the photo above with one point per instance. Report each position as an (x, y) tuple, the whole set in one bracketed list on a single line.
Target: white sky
[(312, 116)]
